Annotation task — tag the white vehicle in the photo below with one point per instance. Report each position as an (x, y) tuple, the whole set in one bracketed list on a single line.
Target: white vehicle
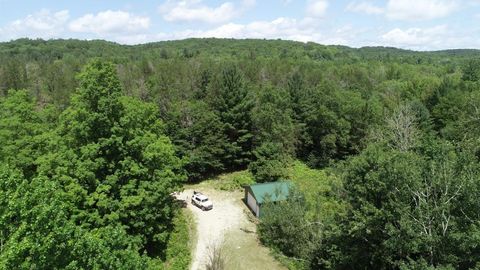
[(201, 201)]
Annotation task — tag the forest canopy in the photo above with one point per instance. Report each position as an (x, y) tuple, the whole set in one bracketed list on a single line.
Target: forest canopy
[(95, 136)]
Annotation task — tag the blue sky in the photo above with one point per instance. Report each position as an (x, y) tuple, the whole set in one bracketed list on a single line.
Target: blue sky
[(412, 24)]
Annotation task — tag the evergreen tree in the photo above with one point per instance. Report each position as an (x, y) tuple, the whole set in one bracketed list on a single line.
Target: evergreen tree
[(231, 99), (199, 136)]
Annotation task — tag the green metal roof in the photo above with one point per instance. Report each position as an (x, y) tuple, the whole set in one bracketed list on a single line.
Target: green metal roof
[(273, 191)]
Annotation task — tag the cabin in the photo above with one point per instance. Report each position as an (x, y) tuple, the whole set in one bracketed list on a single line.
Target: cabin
[(256, 195)]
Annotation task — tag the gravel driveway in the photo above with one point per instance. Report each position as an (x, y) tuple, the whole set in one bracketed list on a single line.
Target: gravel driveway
[(212, 225), (228, 224)]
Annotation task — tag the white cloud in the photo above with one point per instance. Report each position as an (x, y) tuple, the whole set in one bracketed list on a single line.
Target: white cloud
[(249, 3), (196, 11), (303, 30), (110, 23), (430, 38), (416, 10), (345, 35), (128, 28), (284, 28), (364, 7), (418, 38), (137, 38), (42, 24), (317, 8), (407, 10)]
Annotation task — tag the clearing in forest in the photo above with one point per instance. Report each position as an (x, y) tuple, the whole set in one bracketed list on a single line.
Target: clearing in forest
[(229, 226)]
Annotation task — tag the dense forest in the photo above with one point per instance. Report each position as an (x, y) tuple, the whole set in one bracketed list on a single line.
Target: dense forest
[(96, 135)]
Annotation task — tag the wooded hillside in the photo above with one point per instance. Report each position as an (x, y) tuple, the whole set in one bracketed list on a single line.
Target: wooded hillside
[(95, 136)]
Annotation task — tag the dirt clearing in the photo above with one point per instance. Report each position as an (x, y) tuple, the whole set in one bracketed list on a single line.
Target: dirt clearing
[(227, 224)]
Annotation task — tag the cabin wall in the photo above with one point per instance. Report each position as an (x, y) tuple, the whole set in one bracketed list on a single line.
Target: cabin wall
[(252, 204)]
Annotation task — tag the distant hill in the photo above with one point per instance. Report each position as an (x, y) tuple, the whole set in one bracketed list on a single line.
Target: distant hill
[(39, 49)]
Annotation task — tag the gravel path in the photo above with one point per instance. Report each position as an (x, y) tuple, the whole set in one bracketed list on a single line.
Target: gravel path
[(226, 215)]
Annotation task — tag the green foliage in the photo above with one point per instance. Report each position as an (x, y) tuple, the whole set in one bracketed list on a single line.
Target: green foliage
[(200, 138), (36, 232), (230, 181), (306, 219), (422, 264), (115, 140), (285, 227), (229, 97), (20, 131), (471, 70), (335, 123), (94, 192), (129, 165), (275, 135), (321, 189), (273, 121), (234, 181), (270, 163), (14, 75), (406, 205), (179, 246), (460, 115)]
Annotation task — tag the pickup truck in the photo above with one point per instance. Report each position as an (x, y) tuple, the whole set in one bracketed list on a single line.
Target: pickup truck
[(201, 201)]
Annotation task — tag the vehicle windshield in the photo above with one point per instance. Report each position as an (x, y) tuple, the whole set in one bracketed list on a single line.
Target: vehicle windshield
[(204, 200)]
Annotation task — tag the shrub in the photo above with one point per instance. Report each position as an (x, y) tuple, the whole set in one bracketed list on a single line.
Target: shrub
[(178, 254)]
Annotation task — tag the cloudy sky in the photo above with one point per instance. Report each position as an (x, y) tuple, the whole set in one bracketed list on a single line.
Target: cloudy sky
[(412, 24)]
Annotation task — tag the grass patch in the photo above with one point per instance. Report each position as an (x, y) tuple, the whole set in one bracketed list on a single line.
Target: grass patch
[(229, 181), (320, 188), (289, 263), (245, 252), (180, 244)]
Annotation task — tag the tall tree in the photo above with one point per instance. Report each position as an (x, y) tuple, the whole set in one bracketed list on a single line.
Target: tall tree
[(21, 127), (274, 134), (199, 135), (272, 119), (471, 70), (36, 231), (115, 160), (406, 207), (230, 97), (14, 75)]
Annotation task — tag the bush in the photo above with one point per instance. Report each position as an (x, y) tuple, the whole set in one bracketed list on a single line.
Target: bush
[(216, 259), (230, 181), (285, 227), (236, 181), (271, 163), (321, 189), (178, 254)]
